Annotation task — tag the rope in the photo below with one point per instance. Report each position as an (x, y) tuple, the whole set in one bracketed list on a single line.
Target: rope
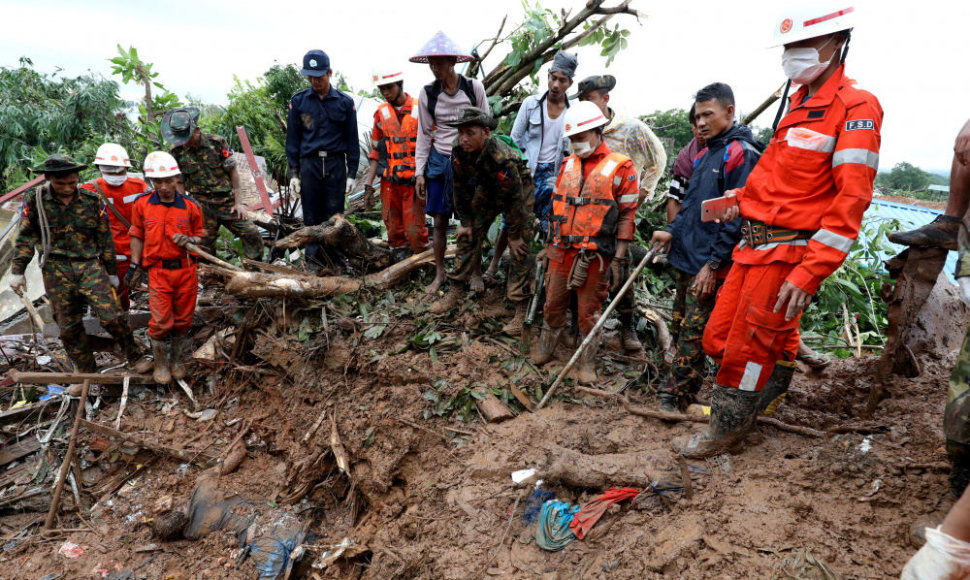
[(45, 231)]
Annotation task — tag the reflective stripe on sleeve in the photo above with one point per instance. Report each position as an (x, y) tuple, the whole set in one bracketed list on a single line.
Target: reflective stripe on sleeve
[(629, 198), (861, 156), (833, 240), (749, 380), (129, 198)]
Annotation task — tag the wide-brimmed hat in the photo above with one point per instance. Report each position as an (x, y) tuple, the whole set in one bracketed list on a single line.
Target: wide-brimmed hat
[(179, 124), (473, 116), (59, 163), (441, 45), (595, 82)]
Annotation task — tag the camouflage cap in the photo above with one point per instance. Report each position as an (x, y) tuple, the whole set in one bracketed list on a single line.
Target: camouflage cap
[(593, 83), (473, 116), (179, 124), (59, 164)]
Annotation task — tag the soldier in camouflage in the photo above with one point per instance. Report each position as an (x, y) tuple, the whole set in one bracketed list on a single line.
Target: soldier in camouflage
[(70, 228), (491, 178), (210, 178)]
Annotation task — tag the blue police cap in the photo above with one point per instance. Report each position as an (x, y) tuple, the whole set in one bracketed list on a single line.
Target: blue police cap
[(316, 63)]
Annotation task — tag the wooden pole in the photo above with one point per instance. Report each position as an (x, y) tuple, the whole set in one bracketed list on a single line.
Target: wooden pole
[(68, 457), (197, 250), (599, 324), (59, 378)]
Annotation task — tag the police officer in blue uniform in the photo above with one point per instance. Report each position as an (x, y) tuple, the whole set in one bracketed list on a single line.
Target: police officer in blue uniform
[(321, 144)]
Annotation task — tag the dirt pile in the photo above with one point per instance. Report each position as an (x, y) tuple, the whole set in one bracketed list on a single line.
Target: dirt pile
[(359, 418)]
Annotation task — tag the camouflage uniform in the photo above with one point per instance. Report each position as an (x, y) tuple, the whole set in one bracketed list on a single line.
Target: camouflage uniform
[(495, 181), (82, 256), (690, 315), (205, 172), (956, 415)]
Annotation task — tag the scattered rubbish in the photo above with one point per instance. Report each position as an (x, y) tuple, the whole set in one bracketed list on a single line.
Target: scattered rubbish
[(586, 518), (552, 526), (333, 553), (188, 391), (205, 415), (698, 410), (71, 550), (522, 475), (534, 504), (866, 445), (52, 391), (43, 360)]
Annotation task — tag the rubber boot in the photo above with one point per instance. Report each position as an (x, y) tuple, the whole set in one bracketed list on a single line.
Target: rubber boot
[(733, 413), (547, 344), (181, 344), (453, 298), (668, 402), (777, 387), (586, 368), (939, 233), (571, 338), (628, 333), (162, 374), (514, 327)]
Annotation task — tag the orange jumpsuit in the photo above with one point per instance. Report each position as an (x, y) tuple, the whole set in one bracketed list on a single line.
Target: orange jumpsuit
[(594, 205), (172, 280), (816, 175), (403, 213), (121, 198)]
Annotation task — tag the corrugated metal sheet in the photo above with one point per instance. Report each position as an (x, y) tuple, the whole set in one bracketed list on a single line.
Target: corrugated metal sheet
[(909, 217)]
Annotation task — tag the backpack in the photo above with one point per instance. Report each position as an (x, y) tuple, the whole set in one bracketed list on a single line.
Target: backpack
[(434, 89)]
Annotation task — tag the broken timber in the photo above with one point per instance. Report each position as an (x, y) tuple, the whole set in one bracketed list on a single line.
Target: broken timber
[(31, 378), (188, 455)]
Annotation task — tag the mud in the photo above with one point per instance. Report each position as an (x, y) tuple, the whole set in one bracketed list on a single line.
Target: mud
[(427, 495)]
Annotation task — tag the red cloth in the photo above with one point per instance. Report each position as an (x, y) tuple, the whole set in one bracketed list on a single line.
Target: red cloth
[(589, 297), (816, 174), (403, 215), (586, 518), (123, 199), (171, 299), (743, 334)]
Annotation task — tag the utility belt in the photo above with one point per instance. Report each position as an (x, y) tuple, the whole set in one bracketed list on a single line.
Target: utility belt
[(176, 264), (581, 201), (755, 233)]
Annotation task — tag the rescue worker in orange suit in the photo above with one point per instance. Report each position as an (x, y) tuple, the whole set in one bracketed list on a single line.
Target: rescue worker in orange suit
[(119, 191), (593, 208), (395, 135), (163, 221), (801, 211)]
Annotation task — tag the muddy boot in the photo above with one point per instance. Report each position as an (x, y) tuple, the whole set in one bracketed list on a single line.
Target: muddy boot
[(585, 372), (141, 364), (547, 344), (668, 402), (939, 233), (453, 298), (777, 387), (628, 333), (733, 413), (162, 374), (181, 345), (514, 327)]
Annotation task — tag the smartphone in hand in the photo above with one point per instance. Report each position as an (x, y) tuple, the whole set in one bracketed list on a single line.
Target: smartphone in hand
[(714, 209)]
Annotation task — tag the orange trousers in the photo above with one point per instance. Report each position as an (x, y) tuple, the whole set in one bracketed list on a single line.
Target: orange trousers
[(403, 215), (589, 297), (171, 300), (743, 334)]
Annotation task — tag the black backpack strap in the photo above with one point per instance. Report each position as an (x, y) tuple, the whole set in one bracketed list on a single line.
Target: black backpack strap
[(466, 86), (432, 91)]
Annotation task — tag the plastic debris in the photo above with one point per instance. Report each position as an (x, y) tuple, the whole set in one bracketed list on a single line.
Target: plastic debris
[(522, 475), (71, 550), (552, 526)]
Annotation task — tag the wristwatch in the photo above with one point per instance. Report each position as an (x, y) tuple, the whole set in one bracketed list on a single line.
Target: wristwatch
[(713, 265)]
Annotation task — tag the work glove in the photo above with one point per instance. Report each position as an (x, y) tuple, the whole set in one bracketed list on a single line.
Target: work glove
[(964, 283), (295, 185), (368, 197), (133, 277), (350, 184), (18, 283), (619, 272), (114, 281)]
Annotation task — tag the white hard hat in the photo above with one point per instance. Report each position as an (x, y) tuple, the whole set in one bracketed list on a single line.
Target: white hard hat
[(112, 155), (583, 116), (160, 164), (801, 20), (383, 77)]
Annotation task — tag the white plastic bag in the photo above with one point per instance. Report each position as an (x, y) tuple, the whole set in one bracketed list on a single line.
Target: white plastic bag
[(943, 557)]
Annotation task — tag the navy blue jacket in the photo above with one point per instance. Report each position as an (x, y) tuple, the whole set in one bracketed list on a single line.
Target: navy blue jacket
[(724, 164), (327, 124)]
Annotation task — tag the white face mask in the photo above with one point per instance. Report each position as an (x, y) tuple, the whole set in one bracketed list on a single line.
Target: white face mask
[(802, 65), (115, 180), (582, 149)]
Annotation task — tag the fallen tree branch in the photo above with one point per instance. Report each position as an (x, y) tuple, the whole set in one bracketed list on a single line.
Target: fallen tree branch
[(181, 454)]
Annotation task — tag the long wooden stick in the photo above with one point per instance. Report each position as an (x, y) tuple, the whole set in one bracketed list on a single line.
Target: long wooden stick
[(68, 457), (58, 378), (599, 324), (197, 250)]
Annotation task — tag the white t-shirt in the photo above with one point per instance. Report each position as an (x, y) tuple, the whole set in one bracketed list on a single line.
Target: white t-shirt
[(551, 135)]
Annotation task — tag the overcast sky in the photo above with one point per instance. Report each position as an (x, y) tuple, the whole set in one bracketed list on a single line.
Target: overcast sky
[(904, 53)]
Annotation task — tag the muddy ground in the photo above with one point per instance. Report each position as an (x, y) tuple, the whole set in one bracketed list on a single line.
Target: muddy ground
[(429, 495)]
